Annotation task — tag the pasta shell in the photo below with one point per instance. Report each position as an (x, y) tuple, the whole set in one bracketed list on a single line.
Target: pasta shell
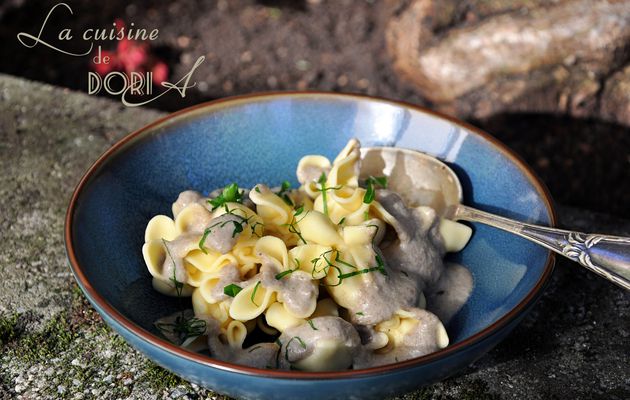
[(160, 227)]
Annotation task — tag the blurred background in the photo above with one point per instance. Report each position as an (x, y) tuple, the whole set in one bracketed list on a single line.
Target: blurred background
[(551, 79)]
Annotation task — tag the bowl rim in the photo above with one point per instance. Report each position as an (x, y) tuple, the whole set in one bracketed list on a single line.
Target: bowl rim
[(103, 305)]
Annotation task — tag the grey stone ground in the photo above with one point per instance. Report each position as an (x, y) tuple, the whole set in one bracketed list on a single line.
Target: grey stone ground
[(575, 343)]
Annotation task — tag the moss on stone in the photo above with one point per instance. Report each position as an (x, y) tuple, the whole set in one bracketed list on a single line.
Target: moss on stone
[(9, 328), (55, 337), (160, 379)]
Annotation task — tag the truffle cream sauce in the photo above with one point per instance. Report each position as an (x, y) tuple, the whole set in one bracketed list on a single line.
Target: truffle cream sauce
[(411, 260), (221, 238), (296, 290)]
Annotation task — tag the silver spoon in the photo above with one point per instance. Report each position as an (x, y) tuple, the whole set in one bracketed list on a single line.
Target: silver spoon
[(424, 180)]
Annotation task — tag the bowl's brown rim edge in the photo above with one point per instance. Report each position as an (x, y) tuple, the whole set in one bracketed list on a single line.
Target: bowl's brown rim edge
[(143, 334)]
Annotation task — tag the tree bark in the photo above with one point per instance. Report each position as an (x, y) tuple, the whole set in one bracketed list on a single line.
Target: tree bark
[(479, 58)]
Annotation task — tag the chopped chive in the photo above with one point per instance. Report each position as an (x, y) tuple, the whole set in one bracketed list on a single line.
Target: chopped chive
[(375, 232), (381, 180), (184, 328), (340, 261), (283, 274), (359, 313), (286, 351), (359, 272), (292, 226), (287, 272), (380, 267), (253, 296), (232, 289), (254, 348), (322, 187), (282, 193), (178, 285), (310, 322), (341, 221), (299, 210), (370, 182), (230, 194), (369, 194), (238, 228), (206, 232), (257, 189)]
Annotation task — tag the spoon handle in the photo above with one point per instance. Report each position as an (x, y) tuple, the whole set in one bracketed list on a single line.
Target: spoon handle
[(608, 256)]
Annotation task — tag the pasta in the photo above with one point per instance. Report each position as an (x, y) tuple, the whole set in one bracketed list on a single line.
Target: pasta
[(336, 274)]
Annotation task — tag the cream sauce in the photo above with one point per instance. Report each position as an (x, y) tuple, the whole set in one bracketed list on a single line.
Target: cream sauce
[(296, 290), (223, 232), (301, 342), (426, 337), (451, 291), (185, 199), (229, 274), (419, 249), (262, 355), (176, 250)]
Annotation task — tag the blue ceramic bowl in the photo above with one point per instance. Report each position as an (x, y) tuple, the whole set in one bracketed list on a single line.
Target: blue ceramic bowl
[(260, 138)]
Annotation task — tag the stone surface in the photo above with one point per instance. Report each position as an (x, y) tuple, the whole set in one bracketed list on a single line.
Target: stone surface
[(573, 345)]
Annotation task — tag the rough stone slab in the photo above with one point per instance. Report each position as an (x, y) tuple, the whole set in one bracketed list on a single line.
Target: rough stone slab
[(573, 345)]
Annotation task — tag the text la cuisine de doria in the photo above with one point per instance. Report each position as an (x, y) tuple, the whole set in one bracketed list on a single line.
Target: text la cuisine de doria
[(115, 83)]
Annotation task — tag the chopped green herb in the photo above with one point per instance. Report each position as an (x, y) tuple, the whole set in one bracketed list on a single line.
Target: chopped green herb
[(370, 182), (359, 272), (254, 349), (283, 274), (380, 267), (292, 226), (379, 180), (253, 296), (254, 226), (230, 194), (257, 189), (359, 313), (286, 351), (340, 261), (184, 328), (283, 193), (341, 221), (310, 322), (287, 272), (238, 227), (179, 286), (232, 289), (323, 188), (375, 232)]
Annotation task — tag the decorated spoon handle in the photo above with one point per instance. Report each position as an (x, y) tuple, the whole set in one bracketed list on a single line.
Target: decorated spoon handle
[(608, 256)]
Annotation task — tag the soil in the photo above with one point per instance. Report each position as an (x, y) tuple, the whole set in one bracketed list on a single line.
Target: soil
[(251, 46)]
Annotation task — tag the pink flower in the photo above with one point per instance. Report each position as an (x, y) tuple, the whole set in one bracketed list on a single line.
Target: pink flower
[(132, 56)]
